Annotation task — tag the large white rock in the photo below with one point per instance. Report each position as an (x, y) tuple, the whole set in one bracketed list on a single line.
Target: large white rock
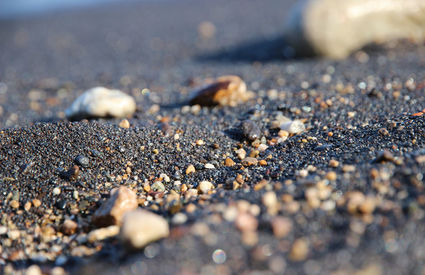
[(101, 102), (141, 227), (335, 28)]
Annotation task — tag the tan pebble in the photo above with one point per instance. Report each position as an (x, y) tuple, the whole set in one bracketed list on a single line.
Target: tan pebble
[(27, 206), (348, 168), (246, 222), (205, 186), (14, 234), (190, 169), (103, 233), (281, 226), (200, 142), (33, 270), (367, 206), (36, 202), (241, 153), (249, 238), (69, 227), (299, 250), (141, 227), (229, 162), (333, 163), (124, 124), (111, 212), (249, 161), (331, 175), (14, 204), (270, 199), (209, 166), (227, 90)]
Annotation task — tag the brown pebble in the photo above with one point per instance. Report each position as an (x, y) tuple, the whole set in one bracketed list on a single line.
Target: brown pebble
[(228, 90), (229, 162), (262, 162)]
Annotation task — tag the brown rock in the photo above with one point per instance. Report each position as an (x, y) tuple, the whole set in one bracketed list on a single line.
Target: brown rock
[(229, 162), (141, 227), (111, 212), (190, 169), (228, 90)]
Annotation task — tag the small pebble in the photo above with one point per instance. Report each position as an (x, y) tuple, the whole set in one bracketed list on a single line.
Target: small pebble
[(190, 169), (205, 186), (103, 233), (141, 227), (124, 124), (293, 127), (229, 162), (82, 161), (227, 90), (248, 161), (250, 130)]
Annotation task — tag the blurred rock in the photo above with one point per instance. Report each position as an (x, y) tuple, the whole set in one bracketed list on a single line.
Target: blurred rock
[(141, 227), (335, 28), (101, 102)]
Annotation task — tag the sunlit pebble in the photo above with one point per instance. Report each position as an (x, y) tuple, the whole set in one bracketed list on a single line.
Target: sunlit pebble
[(219, 256), (209, 166), (206, 30), (56, 191)]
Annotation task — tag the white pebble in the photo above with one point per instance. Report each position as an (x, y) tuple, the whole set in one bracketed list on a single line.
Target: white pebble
[(101, 102)]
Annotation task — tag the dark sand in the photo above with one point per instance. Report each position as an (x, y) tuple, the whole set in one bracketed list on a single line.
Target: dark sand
[(46, 62)]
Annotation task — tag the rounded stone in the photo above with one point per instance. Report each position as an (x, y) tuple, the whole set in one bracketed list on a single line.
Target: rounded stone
[(101, 102)]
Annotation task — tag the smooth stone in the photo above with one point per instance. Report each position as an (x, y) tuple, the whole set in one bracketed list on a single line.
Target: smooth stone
[(101, 102), (141, 227), (335, 28)]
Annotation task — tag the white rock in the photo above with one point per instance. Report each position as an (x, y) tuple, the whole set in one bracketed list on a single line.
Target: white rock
[(335, 28), (141, 227), (101, 102), (103, 233), (293, 127), (205, 186)]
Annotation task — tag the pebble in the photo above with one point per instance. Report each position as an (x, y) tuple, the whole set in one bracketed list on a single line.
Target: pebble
[(209, 166), (228, 90), (158, 186), (367, 21), (248, 161), (82, 161), (101, 102), (229, 162), (69, 227), (293, 127), (141, 227), (124, 124), (205, 186), (250, 130), (33, 270), (241, 153), (190, 169), (246, 222), (299, 250), (56, 191), (281, 226), (112, 211), (103, 233)]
